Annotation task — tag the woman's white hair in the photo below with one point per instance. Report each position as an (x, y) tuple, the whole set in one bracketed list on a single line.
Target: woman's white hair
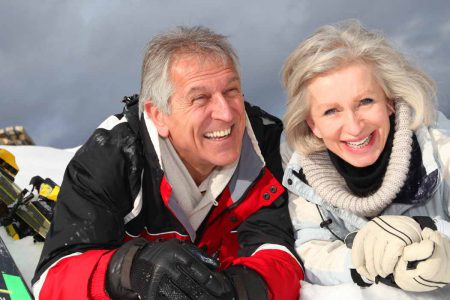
[(161, 51), (335, 46)]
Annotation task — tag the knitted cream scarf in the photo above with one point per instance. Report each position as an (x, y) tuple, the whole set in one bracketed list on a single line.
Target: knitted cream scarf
[(329, 184)]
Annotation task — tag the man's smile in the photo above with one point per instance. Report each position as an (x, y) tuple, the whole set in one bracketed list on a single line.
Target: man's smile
[(218, 134)]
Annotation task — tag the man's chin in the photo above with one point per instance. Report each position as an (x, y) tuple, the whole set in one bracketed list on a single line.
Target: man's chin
[(224, 160)]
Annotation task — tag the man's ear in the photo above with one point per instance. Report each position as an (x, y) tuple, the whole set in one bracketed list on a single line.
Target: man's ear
[(158, 118), (313, 127)]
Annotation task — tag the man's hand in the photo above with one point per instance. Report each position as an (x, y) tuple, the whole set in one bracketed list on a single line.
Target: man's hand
[(424, 266), (176, 270), (165, 270), (379, 244)]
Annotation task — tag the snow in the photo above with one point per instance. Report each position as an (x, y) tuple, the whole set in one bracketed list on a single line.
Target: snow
[(32, 161), (51, 162), (24, 252), (374, 292)]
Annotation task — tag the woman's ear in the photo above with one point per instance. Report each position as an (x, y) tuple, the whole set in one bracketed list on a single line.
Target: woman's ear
[(391, 106), (313, 127), (158, 118)]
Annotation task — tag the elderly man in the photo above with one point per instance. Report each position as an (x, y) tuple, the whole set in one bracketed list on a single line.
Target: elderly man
[(179, 198)]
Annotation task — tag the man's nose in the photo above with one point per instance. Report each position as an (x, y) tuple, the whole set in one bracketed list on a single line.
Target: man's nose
[(221, 108)]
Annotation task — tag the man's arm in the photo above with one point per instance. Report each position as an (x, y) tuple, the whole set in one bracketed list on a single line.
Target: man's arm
[(88, 222), (266, 237), (266, 240)]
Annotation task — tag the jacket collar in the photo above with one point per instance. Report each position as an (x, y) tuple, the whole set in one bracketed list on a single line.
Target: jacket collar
[(250, 165), (429, 160)]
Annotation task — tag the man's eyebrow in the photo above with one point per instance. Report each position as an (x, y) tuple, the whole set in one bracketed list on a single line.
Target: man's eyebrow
[(202, 88), (196, 89), (234, 78)]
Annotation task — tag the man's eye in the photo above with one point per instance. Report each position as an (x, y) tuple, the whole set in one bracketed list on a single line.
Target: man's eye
[(366, 101), (330, 112), (232, 92), (199, 97)]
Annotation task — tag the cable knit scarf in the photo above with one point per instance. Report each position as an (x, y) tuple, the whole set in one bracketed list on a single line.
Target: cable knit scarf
[(329, 184)]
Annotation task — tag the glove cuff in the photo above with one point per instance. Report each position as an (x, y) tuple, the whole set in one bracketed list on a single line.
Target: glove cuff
[(358, 279), (118, 282), (247, 283), (388, 280), (425, 222)]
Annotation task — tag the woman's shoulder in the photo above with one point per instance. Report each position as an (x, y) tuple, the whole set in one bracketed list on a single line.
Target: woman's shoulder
[(440, 134), (434, 142), (443, 122)]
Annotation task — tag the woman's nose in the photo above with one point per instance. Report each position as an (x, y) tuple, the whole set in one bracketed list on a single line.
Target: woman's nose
[(353, 124)]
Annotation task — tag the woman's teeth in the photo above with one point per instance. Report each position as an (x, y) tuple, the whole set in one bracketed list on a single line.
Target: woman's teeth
[(218, 134), (360, 144)]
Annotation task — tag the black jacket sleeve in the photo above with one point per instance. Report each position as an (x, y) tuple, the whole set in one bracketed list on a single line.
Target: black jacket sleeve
[(98, 189)]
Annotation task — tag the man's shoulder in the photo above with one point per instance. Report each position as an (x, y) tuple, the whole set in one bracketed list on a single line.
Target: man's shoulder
[(267, 129), (125, 121), (113, 138), (122, 125), (116, 129), (255, 112)]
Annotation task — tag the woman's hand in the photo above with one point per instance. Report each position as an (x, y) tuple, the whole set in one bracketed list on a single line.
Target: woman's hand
[(378, 246), (424, 266)]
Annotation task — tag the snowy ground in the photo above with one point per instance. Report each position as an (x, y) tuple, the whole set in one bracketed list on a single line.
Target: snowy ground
[(51, 162), (45, 162)]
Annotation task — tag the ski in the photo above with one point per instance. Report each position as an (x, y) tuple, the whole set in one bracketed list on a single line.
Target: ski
[(11, 195), (12, 284)]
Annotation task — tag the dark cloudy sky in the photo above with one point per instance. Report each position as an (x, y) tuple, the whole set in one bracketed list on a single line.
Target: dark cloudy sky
[(65, 65)]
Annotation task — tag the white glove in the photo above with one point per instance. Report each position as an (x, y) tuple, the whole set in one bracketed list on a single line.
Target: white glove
[(379, 244), (433, 268)]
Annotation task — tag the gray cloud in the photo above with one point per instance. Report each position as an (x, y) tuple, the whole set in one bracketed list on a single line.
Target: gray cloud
[(66, 65)]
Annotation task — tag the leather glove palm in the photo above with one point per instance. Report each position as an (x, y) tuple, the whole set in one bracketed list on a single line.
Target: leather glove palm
[(431, 260), (177, 270), (165, 270), (379, 244)]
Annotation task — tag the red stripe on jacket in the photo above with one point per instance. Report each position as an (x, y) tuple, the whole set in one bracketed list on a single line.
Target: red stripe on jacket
[(78, 277), (281, 272)]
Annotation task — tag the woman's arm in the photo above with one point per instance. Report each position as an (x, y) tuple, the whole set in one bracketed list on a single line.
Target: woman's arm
[(327, 260)]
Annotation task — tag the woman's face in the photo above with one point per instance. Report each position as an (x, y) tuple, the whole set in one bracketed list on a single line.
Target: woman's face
[(350, 113)]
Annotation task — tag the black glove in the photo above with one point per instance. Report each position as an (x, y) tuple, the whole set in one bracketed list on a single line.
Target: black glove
[(172, 270)]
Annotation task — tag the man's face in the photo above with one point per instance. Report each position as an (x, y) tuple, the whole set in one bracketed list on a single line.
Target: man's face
[(207, 119)]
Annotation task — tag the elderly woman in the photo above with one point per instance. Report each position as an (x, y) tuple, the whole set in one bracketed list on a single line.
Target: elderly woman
[(367, 172)]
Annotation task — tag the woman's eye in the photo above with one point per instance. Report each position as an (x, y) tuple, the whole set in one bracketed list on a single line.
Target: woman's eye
[(330, 112), (366, 101)]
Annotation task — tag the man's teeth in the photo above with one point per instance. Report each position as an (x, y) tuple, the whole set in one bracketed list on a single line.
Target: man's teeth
[(218, 134), (361, 143)]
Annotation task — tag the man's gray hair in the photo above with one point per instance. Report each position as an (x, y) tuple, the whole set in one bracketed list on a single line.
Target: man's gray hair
[(161, 51)]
